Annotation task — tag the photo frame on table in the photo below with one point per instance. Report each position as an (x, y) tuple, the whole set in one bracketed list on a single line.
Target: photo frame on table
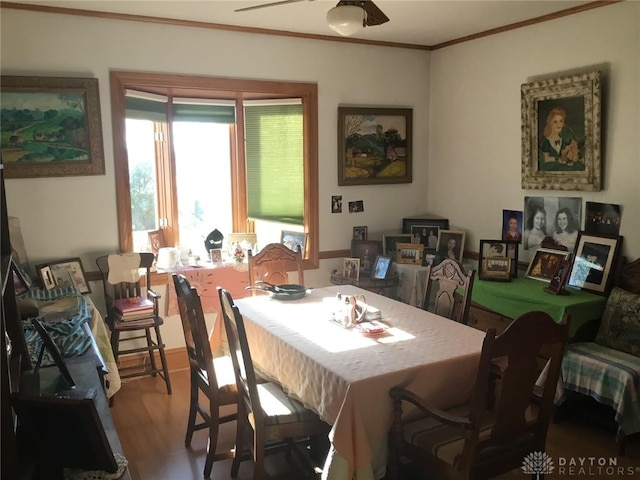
[(568, 158), (595, 259), (427, 235), (544, 263), (390, 243), (495, 268), (156, 241), (451, 244), (381, 267), (366, 251), (63, 136), (559, 279), (374, 145), (294, 240), (411, 253), (22, 284), (360, 233), (351, 268), (501, 248), (70, 270)]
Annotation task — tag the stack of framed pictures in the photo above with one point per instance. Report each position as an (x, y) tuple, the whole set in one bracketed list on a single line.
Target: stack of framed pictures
[(425, 229), (595, 261), (498, 260), (63, 273)]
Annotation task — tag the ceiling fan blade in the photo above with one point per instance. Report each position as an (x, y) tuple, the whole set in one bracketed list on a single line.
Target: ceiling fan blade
[(264, 5), (375, 16)]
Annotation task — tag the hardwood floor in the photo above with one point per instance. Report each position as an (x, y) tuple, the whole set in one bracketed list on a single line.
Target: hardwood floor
[(151, 426)]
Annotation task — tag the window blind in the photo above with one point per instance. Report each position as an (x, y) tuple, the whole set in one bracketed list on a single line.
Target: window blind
[(274, 161)]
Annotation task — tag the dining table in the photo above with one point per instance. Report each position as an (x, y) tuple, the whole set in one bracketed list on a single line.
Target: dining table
[(345, 375)]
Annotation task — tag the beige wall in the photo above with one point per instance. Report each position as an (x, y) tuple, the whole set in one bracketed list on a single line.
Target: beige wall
[(76, 216), (474, 127)]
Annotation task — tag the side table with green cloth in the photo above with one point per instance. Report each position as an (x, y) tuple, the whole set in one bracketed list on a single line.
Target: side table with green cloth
[(522, 295)]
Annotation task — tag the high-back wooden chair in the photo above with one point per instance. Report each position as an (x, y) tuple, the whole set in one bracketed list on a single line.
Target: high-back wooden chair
[(442, 282), (273, 264), (263, 409), (213, 377), (122, 279), (507, 418)]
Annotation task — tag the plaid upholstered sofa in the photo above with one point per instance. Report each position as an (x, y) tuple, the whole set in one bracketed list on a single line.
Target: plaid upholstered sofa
[(607, 369)]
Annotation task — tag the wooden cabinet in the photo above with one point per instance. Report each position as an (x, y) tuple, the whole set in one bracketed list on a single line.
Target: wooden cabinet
[(483, 319)]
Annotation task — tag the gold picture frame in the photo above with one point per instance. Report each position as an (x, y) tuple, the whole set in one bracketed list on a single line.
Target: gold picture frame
[(411, 253), (59, 130), (495, 268), (561, 141)]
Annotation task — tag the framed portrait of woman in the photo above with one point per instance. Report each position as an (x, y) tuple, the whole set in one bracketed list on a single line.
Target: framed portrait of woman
[(561, 133)]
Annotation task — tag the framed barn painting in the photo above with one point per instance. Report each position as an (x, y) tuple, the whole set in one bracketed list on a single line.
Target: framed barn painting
[(51, 127), (374, 145), (561, 121)]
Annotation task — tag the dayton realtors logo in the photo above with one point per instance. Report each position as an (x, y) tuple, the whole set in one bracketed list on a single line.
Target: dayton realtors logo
[(539, 463)]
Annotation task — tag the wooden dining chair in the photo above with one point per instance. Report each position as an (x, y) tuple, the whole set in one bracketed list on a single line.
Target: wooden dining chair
[(122, 280), (442, 282), (213, 377), (504, 425), (274, 263), (273, 418)]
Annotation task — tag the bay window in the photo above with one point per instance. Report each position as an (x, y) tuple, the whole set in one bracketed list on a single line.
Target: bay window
[(197, 153)]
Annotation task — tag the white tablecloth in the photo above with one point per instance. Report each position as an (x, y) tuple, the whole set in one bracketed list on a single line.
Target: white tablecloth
[(345, 377), (412, 282)]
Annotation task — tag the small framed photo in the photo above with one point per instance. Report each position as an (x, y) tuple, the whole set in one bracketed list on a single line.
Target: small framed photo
[(544, 263), (53, 274), (156, 241), (360, 233), (215, 254), (451, 244), (46, 277), (495, 268), (501, 248), (381, 267), (21, 281), (390, 243), (595, 259), (366, 251), (560, 276), (427, 235), (410, 253), (294, 240), (351, 268)]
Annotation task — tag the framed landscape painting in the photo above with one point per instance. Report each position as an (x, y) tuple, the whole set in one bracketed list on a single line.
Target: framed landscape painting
[(51, 127), (374, 145)]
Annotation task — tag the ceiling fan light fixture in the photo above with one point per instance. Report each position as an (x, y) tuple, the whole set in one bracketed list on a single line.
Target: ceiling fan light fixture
[(346, 19)]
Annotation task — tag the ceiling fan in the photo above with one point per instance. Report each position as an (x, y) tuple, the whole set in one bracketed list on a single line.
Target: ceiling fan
[(346, 17)]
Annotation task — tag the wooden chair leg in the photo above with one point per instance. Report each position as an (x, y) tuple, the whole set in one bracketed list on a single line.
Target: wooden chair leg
[(240, 443), (152, 358), (163, 360), (193, 411)]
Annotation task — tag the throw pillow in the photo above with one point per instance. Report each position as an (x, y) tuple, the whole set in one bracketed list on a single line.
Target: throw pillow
[(620, 326)]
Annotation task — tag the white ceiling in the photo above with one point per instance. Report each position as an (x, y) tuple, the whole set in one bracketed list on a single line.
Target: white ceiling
[(417, 22)]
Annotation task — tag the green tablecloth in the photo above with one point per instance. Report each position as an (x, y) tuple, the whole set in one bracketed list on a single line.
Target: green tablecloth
[(523, 295)]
